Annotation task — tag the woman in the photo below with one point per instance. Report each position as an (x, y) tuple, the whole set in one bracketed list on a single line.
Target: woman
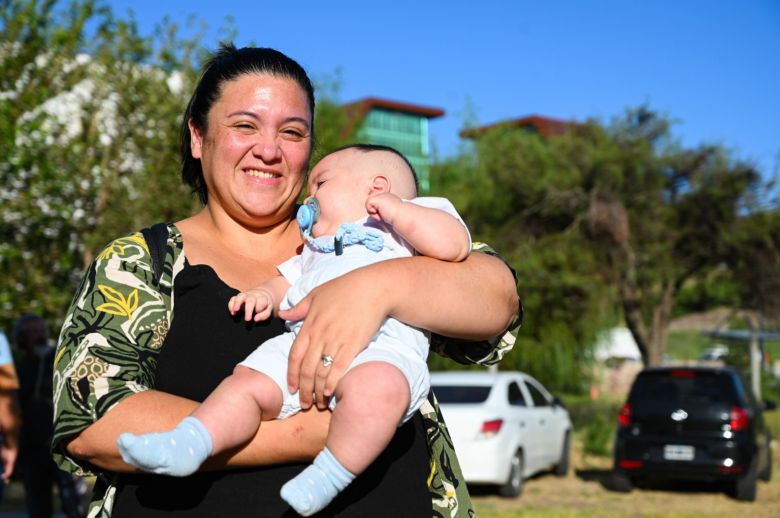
[(136, 352)]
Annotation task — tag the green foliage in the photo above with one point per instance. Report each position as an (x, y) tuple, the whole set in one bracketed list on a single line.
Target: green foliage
[(597, 436), (90, 118), (717, 288), (89, 124), (565, 303), (332, 128), (594, 422), (687, 345), (611, 219), (770, 391), (513, 194), (754, 251)]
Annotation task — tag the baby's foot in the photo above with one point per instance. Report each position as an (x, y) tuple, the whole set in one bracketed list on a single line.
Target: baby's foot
[(316, 486), (179, 452)]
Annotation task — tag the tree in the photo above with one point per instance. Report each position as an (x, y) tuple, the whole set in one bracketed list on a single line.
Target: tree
[(90, 119), (621, 212), (513, 192), (665, 221), (88, 136), (754, 250), (332, 127)]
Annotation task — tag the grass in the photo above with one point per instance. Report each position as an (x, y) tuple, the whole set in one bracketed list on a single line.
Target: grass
[(773, 422), (687, 345)]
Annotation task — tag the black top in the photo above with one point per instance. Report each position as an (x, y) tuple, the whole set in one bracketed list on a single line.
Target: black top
[(202, 347)]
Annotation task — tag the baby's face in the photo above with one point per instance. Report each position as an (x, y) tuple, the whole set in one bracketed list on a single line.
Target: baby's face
[(341, 182)]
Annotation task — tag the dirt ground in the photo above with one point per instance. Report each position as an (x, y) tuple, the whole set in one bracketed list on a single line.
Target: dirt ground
[(583, 492)]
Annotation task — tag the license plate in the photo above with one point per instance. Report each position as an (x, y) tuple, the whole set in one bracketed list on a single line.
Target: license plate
[(678, 452)]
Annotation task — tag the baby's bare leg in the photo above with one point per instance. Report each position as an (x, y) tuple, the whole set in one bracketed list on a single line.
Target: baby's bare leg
[(372, 399), (233, 412), (227, 418)]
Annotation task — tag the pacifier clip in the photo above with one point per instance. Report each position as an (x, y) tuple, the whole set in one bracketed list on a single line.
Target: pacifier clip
[(347, 233)]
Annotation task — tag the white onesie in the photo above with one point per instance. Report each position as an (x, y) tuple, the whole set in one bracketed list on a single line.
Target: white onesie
[(396, 343)]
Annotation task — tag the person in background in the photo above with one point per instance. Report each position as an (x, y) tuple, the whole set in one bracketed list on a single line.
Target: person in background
[(10, 420), (36, 467)]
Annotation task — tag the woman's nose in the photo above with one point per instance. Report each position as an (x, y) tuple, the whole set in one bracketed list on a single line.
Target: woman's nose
[(267, 149)]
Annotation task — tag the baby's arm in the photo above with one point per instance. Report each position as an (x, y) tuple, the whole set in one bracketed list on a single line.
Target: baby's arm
[(432, 232), (262, 301)]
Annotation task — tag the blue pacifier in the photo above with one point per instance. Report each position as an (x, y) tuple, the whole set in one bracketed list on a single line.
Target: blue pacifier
[(307, 215)]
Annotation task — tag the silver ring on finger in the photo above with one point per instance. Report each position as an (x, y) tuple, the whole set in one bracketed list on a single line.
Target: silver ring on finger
[(327, 360)]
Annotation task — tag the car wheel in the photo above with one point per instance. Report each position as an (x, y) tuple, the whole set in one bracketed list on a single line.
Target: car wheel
[(619, 481), (745, 485), (766, 473), (514, 484), (563, 463)]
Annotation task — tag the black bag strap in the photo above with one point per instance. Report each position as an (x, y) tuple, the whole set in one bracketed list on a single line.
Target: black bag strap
[(156, 239)]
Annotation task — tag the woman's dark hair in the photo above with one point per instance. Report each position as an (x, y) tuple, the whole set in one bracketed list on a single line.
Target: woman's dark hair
[(227, 64)]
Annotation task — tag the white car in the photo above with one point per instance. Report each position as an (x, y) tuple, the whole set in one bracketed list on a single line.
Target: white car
[(505, 426)]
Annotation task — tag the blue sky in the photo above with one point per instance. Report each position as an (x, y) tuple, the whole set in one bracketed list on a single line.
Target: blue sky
[(713, 66)]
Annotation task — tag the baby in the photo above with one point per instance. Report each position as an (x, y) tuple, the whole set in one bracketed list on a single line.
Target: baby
[(361, 209)]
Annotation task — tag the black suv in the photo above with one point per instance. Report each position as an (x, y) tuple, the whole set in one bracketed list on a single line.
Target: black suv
[(697, 423)]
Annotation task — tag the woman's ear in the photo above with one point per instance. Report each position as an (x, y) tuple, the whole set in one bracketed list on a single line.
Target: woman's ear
[(196, 140), (380, 184)]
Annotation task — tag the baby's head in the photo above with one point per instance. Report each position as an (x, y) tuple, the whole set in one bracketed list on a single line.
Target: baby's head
[(343, 180)]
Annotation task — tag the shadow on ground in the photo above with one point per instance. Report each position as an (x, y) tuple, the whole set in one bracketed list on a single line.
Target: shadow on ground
[(605, 477)]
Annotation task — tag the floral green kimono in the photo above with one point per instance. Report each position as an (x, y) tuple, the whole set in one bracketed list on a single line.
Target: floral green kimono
[(113, 333)]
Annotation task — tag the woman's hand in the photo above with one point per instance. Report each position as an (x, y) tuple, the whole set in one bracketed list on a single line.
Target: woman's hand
[(340, 318), (474, 299)]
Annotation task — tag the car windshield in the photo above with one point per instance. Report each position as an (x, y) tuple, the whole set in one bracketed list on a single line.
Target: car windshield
[(684, 386), (461, 394)]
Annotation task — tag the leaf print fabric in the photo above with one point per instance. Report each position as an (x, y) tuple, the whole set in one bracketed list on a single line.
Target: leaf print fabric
[(112, 335)]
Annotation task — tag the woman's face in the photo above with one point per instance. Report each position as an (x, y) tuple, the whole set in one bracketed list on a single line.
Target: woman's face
[(256, 149)]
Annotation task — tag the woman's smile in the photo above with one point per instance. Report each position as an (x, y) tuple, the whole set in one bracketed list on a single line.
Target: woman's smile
[(261, 175)]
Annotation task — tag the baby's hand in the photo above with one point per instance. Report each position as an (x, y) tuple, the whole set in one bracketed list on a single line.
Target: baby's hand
[(257, 301), (383, 207)]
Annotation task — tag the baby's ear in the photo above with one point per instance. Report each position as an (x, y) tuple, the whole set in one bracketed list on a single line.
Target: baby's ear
[(380, 184)]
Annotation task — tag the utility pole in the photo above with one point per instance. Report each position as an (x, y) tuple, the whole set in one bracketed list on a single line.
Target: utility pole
[(755, 363), (755, 357)]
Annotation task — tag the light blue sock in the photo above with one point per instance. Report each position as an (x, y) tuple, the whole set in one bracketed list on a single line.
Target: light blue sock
[(179, 452), (316, 486)]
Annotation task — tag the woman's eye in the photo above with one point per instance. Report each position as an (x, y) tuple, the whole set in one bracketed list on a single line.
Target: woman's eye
[(293, 133)]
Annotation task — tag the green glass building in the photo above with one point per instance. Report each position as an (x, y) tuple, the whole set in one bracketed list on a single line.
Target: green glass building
[(402, 126)]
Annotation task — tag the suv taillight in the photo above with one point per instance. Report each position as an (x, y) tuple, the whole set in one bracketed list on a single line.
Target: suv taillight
[(624, 417), (739, 419)]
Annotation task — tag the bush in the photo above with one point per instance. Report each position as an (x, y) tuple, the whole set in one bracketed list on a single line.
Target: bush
[(594, 421), (597, 436)]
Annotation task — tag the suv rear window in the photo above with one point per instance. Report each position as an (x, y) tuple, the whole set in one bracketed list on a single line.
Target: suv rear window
[(682, 386), (461, 394)]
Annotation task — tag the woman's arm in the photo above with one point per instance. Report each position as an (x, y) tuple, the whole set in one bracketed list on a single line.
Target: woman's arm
[(298, 438), (474, 299), (105, 364)]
